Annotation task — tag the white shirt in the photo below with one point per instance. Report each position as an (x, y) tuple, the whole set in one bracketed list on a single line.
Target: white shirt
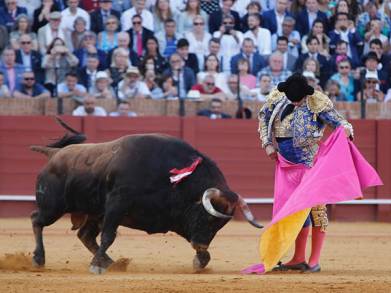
[(200, 48), (262, 40), (228, 48), (68, 19), (80, 111), (126, 19), (280, 19), (139, 88)]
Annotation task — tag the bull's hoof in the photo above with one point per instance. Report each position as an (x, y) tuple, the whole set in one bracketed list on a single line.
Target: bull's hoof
[(201, 260), (97, 270), (38, 261)]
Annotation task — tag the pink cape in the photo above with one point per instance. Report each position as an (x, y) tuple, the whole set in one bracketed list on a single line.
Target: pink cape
[(340, 173)]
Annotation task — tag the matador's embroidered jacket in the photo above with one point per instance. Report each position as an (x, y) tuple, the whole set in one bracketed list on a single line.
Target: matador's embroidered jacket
[(298, 133)]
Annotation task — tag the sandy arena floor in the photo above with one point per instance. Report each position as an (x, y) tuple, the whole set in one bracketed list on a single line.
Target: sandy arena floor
[(356, 258)]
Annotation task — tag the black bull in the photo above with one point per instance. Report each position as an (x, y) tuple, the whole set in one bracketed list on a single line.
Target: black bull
[(126, 182)]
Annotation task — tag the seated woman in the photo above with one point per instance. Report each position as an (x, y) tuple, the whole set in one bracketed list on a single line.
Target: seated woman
[(345, 79), (245, 77), (108, 38), (119, 64), (79, 29)]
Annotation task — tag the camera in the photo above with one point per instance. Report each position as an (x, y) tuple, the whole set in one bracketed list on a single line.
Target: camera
[(228, 29)]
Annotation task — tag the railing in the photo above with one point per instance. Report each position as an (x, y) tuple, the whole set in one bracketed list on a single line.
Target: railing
[(147, 107)]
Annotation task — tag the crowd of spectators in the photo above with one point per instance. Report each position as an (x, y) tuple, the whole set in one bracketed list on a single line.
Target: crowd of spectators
[(195, 49)]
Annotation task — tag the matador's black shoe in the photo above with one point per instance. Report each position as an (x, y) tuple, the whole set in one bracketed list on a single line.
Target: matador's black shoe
[(295, 267), (314, 269)]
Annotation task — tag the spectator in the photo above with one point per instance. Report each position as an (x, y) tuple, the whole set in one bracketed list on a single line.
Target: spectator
[(345, 79), (71, 89), (345, 30), (293, 36), (214, 48), (13, 72), (70, 14), (208, 88), (248, 52), (123, 110), (372, 62), (139, 9), (152, 50), (123, 42), (170, 91), (318, 31), (372, 92), (57, 62), (276, 69), (385, 60), (187, 18), (312, 80), (3, 37), (119, 65), (10, 12), (198, 39), (183, 76), (230, 41), (22, 26), (245, 77), (49, 32), (190, 59), (100, 15), (152, 84), (29, 58), (29, 88), (342, 6), (42, 14), (289, 59), (212, 68), (121, 5), (89, 108), (265, 86), (236, 89), (148, 64), (333, 91), (313, 52), (216, 17), (79, 30), (108, 38), (89, 47), (297, 6), (131, 87), (4, 91), (273, 18), (307, 16), (341, 52), (260, 36), (215, 110), (87, 74), (102, 88), (168, 38), (311, 65), (161, 13), (374, 32), (252, 8), (138, 35)]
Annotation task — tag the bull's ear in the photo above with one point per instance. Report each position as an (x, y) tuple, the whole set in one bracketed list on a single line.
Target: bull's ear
[(214, 195)]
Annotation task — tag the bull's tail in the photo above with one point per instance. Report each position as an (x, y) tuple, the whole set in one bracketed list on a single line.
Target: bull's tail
[(66, 126), (48, 151)]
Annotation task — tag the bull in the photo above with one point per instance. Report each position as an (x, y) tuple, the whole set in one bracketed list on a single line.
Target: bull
[(126, 182)]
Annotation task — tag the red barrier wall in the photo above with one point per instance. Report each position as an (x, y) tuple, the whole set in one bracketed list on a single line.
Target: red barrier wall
[(233, 144)]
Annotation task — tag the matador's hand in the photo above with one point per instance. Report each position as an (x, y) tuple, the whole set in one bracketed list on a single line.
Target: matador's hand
[(271, 152)]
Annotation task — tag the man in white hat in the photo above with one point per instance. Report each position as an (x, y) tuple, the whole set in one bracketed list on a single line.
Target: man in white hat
[(102, 88), (372, 92), (132, 87)]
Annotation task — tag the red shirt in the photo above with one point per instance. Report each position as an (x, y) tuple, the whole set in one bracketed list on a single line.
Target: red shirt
[(199, 87)]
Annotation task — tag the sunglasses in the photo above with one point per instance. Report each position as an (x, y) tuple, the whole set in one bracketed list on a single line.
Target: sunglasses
[(29, 78), (136, 22), (228, 22), (344, 67), (25, 43), (198, 23), (210, 83), (371, 81)]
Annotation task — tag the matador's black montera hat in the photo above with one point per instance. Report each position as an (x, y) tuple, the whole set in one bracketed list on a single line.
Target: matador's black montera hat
[(295, 87)]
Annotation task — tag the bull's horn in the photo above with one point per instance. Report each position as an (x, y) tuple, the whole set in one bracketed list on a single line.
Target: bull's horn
[(247, 213), (206, 202)]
